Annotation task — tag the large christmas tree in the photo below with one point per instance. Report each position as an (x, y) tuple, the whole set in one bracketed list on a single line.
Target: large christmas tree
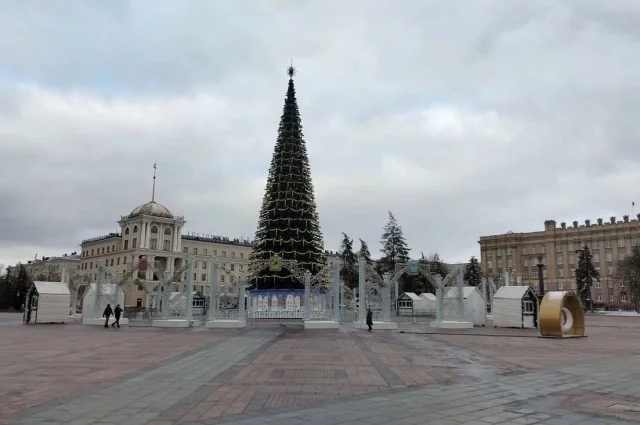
[(288, 226)]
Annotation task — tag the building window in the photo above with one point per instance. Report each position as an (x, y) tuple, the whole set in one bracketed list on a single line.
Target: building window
[(91, 265), (499, 264), (570, 246), (609, 257), (607, 244), (242, 255), (509, 263), (126, 244), (621, 256), (126, 231), (533, 250), (233, 255), (204, 251), (560, 273), (634, 242), (596, 258), (224, 254), (541, 250), (214, 253), (559, 259), (124, 260), (623, 298), (241, 267), (595, 245), (134, 243), (621, 243), (611, 298), (599, 298), (166, 245), (112, 261), (108, 249), (118, 261), (544, 273), (154, 229), (195, 251), (221, 278), (91, 251), (525, 262), (195, 277), (204, 264), (499, 253), (610, 285), (113, 248), (153, 243), (489, 264), (233, 267), (528, 307), (534, 273), (185, 250), (524, 251), (204, 277), (610, 271), (560, 286), (598, 284), (622, 284), (573, 272), (571, 259), (508, 251), (135, 229)]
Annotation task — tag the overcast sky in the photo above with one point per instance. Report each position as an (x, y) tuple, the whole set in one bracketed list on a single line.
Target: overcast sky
[(464, 118)]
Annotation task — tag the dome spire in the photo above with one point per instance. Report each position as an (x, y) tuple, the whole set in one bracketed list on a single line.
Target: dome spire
[(153, 192)]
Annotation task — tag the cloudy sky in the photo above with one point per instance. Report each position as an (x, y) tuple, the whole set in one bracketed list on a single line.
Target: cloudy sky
[(464, 118)]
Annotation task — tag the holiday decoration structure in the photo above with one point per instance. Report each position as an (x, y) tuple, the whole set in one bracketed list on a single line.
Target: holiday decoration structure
[(515, 307), (561, 315), (288, 225)]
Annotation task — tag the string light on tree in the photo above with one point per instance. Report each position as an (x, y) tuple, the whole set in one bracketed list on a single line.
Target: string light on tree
[(288, 224)]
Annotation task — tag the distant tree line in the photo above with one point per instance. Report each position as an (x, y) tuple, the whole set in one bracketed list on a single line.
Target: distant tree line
[(13, 288), (395, 250)]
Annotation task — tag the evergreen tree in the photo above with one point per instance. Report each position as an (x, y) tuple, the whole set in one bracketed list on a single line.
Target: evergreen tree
[(628, 271), (22, 283), (364, 252), (394, 246), (288, 224), (7, 287), (585, 273), (437, 266), (473, 273), (349, 269)]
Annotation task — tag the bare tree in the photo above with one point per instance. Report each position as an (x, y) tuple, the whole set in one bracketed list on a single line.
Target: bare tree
[(628, 272)]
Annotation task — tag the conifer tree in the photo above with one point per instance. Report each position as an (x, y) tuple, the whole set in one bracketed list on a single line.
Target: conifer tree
[(22, 282), (585, 273), (473, 272), (7, 287), (288, 225), (349, 268), (394, 246), (437, 266), (364, 252)]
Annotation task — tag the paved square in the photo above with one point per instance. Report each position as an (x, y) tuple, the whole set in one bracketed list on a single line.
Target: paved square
[(76, 374)]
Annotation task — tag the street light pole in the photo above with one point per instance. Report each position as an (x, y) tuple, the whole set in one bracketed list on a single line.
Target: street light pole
[(540, 277)]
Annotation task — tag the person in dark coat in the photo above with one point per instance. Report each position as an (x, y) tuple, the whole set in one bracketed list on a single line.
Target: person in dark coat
[(117, 312), (369, 319), (106, 314)]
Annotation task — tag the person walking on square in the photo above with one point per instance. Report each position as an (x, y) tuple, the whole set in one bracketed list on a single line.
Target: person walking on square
[(369, 319), (106, 314), (117, 312)]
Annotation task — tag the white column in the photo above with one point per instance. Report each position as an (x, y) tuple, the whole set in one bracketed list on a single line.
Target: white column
[(147, 236)]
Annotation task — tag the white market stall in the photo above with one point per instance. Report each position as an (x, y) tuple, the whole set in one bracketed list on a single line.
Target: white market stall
[(515, 307), (431, 302), (409, 304), (475, 305), (48, 302), (110, 294)]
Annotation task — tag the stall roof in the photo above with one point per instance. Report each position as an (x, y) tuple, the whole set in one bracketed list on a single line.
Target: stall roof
[(412, 295), (428, 296), (466, 291), (52, 288), (511, 292)]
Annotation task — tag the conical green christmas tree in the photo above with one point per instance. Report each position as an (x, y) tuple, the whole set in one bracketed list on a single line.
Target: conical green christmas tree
[(288, 225)]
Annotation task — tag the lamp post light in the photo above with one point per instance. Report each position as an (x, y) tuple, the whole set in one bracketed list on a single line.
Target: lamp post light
[(540, 277)]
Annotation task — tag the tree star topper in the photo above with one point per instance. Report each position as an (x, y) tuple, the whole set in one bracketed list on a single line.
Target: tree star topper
[(291, 70)]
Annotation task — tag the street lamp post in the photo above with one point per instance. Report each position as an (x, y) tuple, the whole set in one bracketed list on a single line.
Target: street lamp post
[(540, 277)]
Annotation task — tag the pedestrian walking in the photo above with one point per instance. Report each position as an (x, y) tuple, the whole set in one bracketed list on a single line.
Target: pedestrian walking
[(106, 314), (117, 312), (369, 319)]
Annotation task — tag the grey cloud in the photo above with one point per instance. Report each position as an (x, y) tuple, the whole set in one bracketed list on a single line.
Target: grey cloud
[(463, 118)]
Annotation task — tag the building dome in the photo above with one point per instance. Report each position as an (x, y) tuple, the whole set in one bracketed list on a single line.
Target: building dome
[(153, 209)]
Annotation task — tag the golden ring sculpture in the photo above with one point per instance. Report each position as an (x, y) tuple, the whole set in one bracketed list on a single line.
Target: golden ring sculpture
[(561, 315)]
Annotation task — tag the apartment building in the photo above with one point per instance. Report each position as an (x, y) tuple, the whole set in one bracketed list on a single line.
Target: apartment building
[(555, 247)]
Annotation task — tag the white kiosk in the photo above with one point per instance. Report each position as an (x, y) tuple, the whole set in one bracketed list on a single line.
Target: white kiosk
[(47, 302)]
